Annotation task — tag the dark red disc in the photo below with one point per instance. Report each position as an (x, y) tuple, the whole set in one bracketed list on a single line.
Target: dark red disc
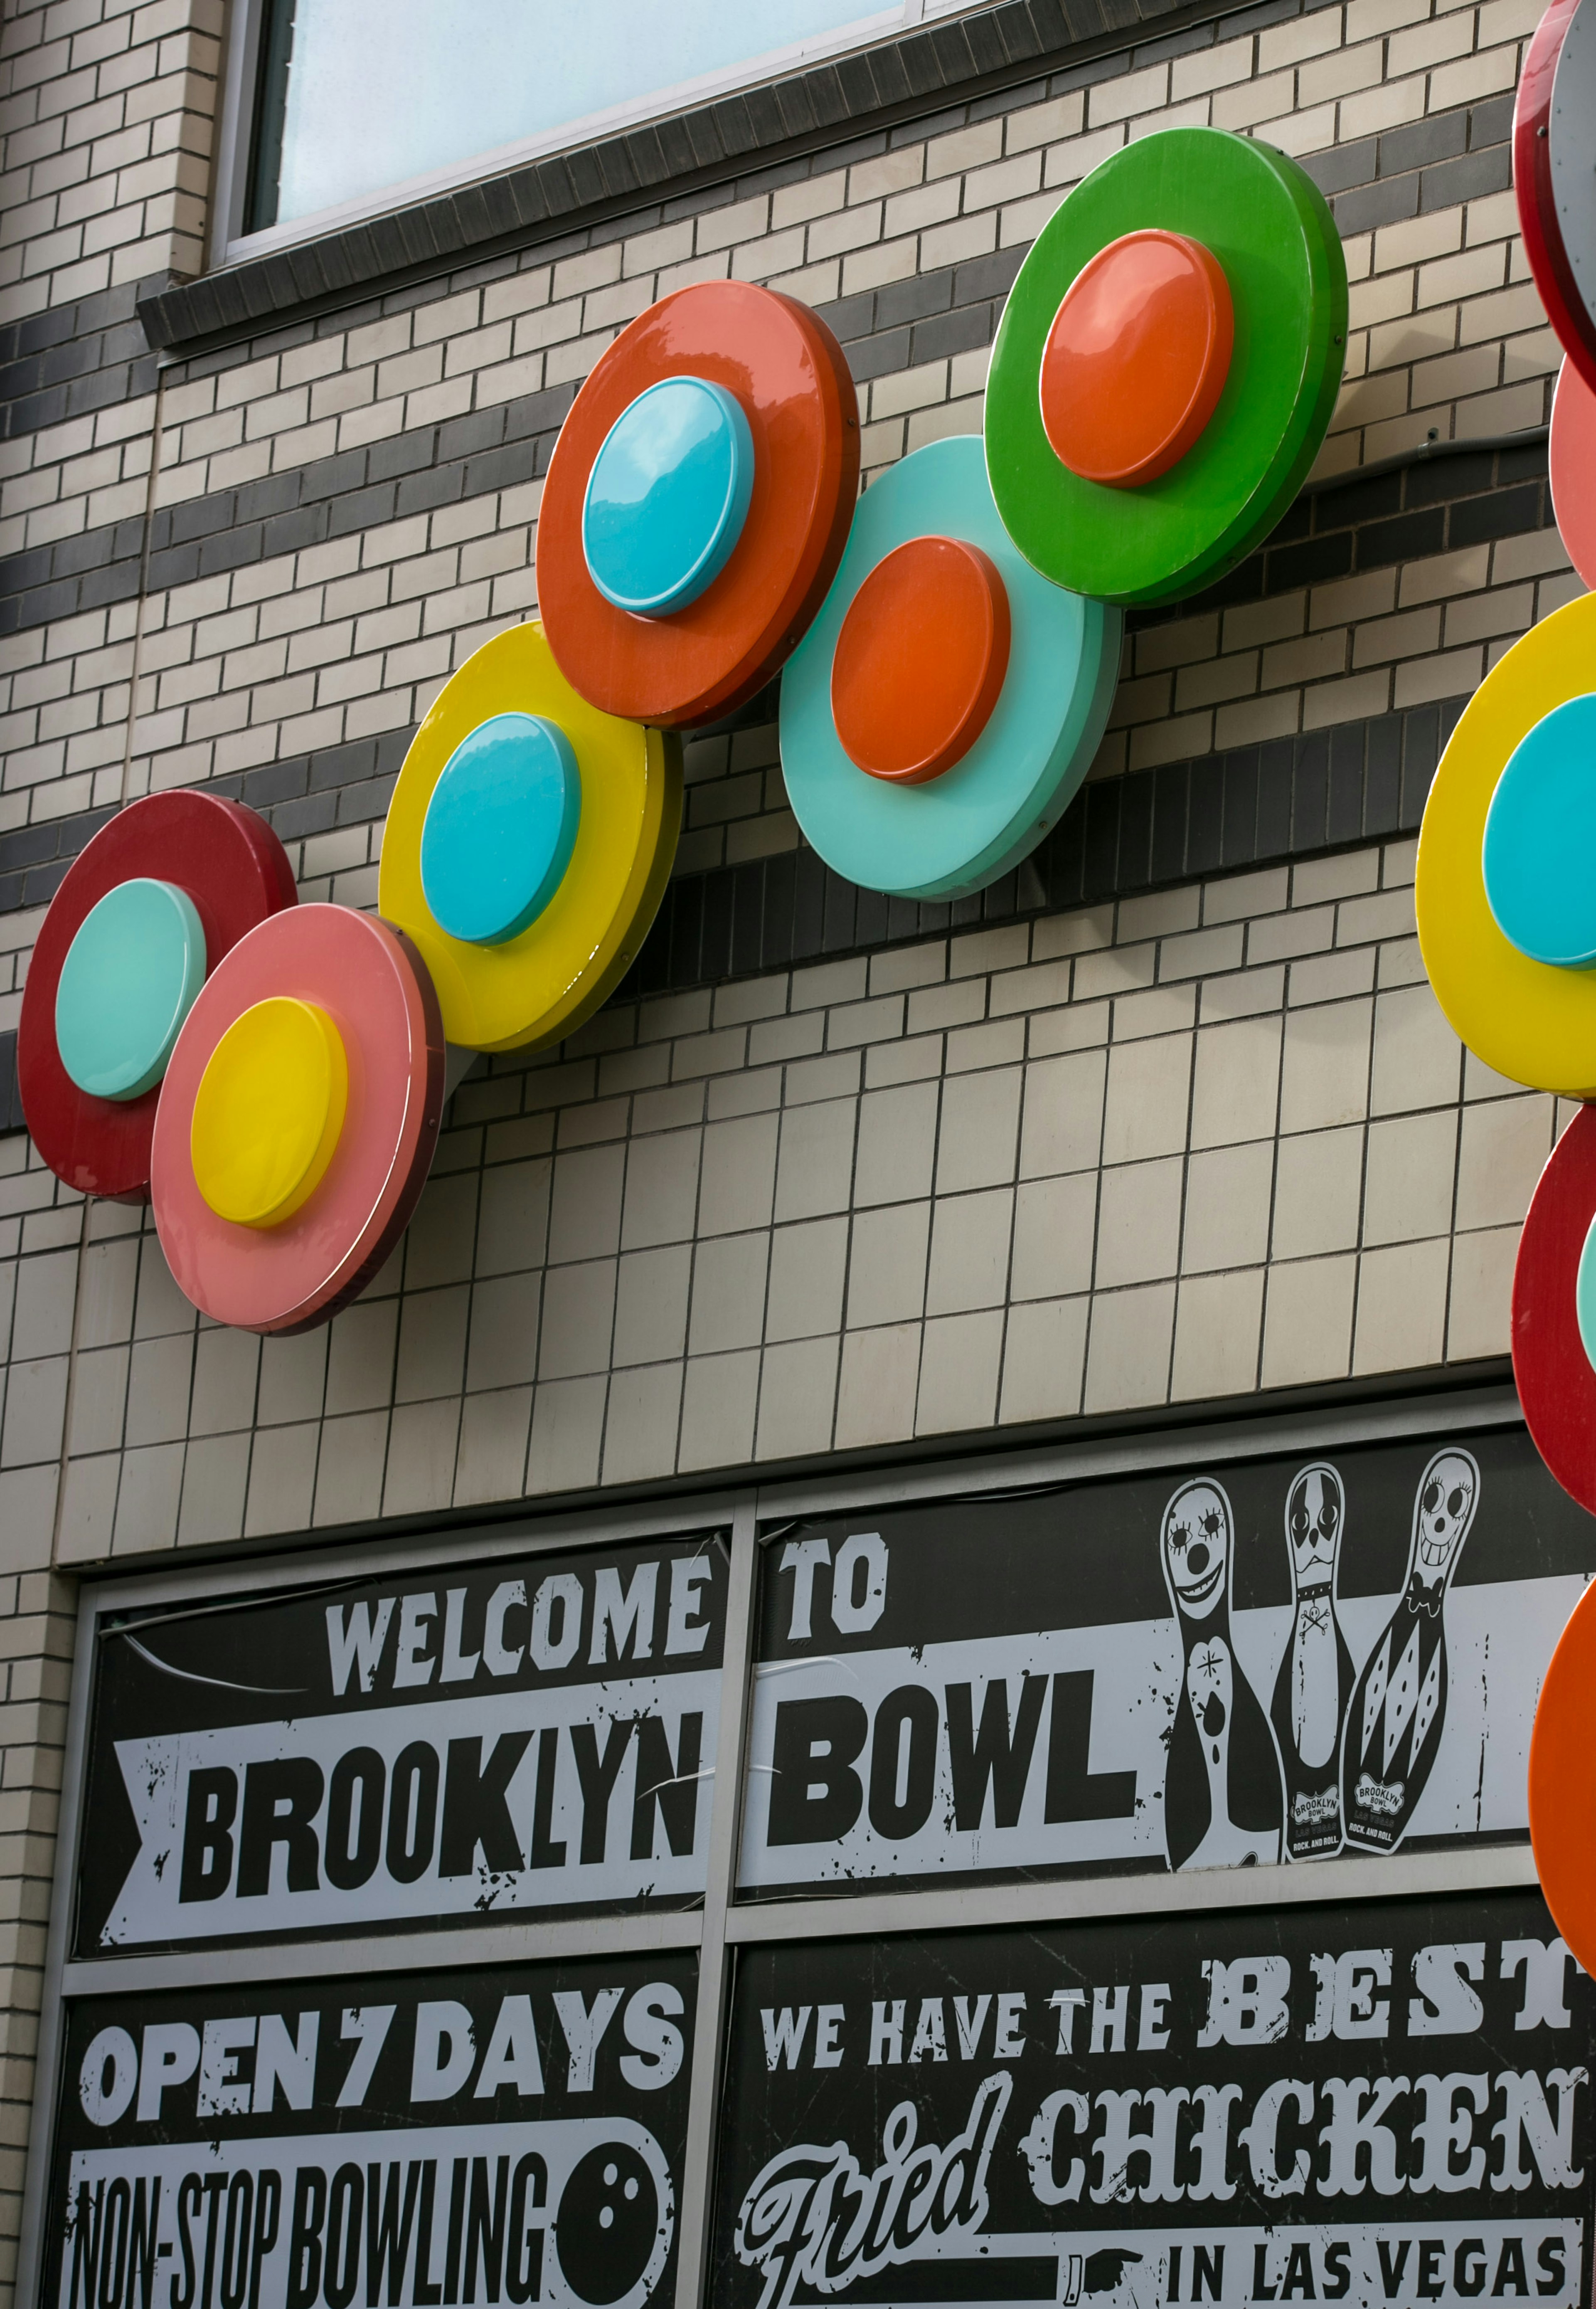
[(236, 871), (1557, 1385)]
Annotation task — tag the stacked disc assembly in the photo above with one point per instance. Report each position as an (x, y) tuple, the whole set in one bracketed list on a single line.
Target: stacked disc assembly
[(272, 1076)]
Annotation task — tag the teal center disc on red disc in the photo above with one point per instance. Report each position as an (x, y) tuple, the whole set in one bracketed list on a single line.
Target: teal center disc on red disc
[(1268, 225)]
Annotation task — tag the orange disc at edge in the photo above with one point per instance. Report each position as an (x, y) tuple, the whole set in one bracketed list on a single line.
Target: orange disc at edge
[(1563, 1782), (920, 660), (1136, 358)]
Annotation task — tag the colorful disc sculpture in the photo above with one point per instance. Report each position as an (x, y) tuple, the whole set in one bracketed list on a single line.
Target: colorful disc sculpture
[(1505, 897), (1562, 1783), (1166, 365), (528, 845), (299, 1118), (160, 895), (697, 504), (1554, 1311), (1572, 463), (1552, 174), (948, 701)]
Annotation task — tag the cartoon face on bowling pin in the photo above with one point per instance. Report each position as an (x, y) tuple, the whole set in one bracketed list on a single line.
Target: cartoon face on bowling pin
[(1197, 1549), (1314, 1517), (1442, 1514)]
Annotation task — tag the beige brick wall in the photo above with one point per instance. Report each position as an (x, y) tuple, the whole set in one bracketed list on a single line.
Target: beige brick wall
[(1208, 1140), (106, 115)]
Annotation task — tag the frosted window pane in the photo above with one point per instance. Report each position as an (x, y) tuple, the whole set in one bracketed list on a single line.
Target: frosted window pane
[(380, 91)]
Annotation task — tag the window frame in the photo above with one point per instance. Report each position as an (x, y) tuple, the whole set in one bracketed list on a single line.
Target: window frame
[(229, 244), (754, 1515)]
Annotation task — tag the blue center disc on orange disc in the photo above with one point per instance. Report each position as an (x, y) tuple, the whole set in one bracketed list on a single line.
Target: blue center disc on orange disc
[(1019, 704)]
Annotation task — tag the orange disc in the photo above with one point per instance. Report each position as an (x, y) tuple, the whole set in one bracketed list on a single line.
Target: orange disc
[(920, 660), (1136, 358), (1563, 1782), (786, 372)]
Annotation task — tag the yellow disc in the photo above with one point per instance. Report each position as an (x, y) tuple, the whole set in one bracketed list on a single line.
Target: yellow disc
[(269, 1110), (536, 988), (1532, 1021)]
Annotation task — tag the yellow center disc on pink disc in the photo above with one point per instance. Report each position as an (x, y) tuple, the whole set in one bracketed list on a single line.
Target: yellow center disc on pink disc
[(269, 1111)]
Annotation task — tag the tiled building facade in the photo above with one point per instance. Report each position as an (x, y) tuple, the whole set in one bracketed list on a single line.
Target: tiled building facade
[(1169, 1118)]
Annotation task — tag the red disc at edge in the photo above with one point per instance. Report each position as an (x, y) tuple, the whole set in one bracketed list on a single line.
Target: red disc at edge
[(1136, 358), (792, 382), (1563, 1782), (920, 660), (1557, 1386), (237, 872)]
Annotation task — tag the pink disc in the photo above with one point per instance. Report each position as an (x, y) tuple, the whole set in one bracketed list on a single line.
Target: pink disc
[(374, 985), (1573, 459)]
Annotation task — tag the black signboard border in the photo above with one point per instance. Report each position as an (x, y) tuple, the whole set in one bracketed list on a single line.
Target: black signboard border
[(754, 1515)]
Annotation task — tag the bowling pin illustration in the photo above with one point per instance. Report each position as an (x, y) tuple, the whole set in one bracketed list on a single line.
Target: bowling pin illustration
[(1315, 1682), (1393, 1726), (1222, 1789)]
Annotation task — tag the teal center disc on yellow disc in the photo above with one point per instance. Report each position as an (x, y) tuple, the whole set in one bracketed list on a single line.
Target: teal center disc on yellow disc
[(1267, 223)]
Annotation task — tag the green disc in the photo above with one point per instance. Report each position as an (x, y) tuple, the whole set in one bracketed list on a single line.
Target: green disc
[(1268, 224)]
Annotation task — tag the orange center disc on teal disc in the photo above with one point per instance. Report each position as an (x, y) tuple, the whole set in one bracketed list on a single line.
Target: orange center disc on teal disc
[(1166, 365)]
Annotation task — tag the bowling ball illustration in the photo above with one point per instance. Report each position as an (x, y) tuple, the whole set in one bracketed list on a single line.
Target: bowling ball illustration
[(608, 2222)]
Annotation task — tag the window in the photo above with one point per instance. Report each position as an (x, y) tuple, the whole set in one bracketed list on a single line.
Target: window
[(360, 102)]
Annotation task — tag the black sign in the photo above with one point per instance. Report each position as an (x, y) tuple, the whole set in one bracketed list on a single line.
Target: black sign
[(1387, 2105), (516, 1736), (513, 2135), (1272, 1659)]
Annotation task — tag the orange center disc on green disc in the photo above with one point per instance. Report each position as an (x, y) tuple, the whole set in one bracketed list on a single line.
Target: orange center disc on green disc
[(1136, 358), (1129, 457), (920, 660)]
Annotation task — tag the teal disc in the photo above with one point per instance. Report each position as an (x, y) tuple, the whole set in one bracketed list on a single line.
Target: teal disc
[(128, 983), (958, 832), (1268, 225)]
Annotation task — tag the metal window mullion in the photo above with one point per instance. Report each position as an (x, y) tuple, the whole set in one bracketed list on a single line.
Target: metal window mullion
[(708, 2031)]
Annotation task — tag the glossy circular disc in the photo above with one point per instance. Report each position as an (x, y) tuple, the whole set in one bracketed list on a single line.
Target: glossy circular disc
[(234, 871), (1562, 1783), (668, 495), (130, 976), (920, 660), (1136, 358), (786, 371), (1555, 1380), (1573, 461), (959, 831), (1540, 845), (537, 986), (500, 828), (1267, 226), (1529, 1020), (269, 1111), (1554, 132), (372, 986)]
